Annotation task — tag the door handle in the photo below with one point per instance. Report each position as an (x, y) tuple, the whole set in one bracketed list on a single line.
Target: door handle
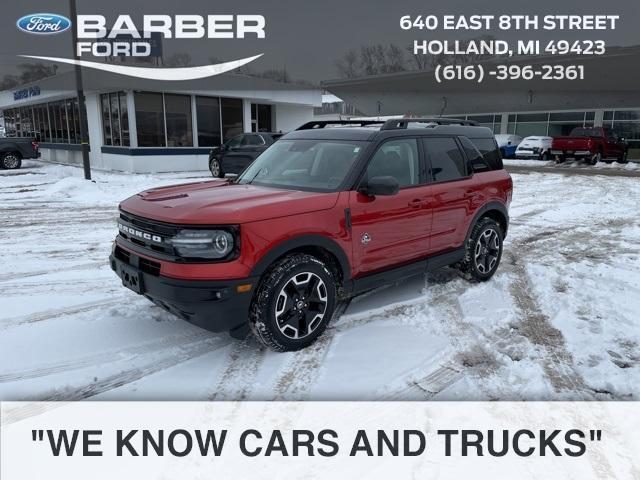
[(418, 202)]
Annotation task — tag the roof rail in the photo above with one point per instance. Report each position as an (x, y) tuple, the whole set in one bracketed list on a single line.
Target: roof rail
[(397, 123), (323, 123)]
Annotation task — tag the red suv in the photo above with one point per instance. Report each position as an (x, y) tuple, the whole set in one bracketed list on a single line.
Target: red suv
[(323, 214)]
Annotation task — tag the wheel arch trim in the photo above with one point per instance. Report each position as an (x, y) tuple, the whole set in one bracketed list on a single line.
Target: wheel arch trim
[(482, 211), (304, 241)]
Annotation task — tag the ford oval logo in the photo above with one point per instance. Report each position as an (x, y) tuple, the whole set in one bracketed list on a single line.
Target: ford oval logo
[(43, 23)]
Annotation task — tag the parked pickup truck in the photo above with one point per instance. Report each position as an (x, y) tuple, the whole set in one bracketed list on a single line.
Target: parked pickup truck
[(13, 150), (591, 144)]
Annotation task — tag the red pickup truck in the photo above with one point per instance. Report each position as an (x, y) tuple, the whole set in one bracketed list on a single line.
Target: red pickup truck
[(591, 144)]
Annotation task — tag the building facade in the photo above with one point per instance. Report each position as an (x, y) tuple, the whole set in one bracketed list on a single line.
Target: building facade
[(150, 129)]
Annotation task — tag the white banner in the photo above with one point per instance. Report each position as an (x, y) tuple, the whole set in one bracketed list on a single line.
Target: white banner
[(272, 440)]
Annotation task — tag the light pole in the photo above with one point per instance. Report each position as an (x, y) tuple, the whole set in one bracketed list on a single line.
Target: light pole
[(82, 110)]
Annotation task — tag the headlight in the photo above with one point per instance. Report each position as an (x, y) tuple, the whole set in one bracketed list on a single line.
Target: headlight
[(212, 244)]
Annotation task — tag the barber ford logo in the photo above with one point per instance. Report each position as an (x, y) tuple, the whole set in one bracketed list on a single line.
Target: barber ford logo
[(43, 23)]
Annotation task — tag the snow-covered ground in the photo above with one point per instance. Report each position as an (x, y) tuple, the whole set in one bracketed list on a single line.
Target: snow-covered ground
[(631, 165), (560, 320)]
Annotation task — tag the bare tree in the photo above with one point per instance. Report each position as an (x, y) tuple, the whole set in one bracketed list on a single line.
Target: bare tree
[(347, 65), (371, 60)]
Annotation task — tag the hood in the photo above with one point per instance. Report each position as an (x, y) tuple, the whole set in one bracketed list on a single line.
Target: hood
[(223, 203)]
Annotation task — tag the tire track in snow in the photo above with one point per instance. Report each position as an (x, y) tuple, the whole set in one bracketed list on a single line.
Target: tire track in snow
[(83, 266), (131, 353), (185, 353), (535, 325), (241, 372), (304, 367), (58, 312)]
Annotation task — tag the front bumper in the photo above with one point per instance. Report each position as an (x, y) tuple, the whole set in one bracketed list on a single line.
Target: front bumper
[(214, 305)]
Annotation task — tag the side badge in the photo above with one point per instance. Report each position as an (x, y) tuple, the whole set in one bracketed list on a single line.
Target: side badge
[(365, 239)]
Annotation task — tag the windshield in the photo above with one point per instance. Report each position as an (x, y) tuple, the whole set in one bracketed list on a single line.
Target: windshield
[(317, 165)]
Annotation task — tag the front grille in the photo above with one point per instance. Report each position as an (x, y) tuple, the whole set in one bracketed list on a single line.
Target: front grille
[(157, 230), (149, 266), (122, 254)]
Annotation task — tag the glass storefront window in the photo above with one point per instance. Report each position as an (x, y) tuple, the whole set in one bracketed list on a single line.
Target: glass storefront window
[(115, 119), (232, 118), (208, 118), (124, 118), (260, 117), (178, 120), (107, 138), (150, 119)]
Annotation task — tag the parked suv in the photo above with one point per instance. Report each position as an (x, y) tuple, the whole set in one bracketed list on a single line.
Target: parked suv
[(238, 152), (321, 215)]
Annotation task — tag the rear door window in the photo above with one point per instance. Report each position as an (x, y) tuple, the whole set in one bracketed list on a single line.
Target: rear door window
[(446, 162), (489, 150), (252, 140), (477, 163)]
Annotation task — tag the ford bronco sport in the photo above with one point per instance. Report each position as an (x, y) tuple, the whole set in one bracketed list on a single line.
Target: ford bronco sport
[(323, 214)]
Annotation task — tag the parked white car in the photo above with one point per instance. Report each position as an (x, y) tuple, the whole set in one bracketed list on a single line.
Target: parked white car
[(508, 144), (537, 147)]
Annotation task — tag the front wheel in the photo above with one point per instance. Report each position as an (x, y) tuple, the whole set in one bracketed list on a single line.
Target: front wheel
[(483, 250), (11, 161), (293, 304), (216, 168)]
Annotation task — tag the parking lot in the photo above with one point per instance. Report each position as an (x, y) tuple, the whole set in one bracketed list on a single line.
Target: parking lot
[(558, 321)]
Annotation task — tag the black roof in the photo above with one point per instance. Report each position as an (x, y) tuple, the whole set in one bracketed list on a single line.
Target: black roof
[(371, 133)]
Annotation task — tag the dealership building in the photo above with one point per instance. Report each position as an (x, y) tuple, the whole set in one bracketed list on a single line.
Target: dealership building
[(147, 127), (608, 96)]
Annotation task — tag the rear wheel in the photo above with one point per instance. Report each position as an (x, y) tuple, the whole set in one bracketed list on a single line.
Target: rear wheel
[(216, 168), (594, 158), (483, 250), (623, 157), (11, 161), (293, 303)]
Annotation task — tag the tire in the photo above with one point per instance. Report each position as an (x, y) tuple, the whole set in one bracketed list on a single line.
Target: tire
[(593, 159), (297, 294), (11, 161), (216, 168), (623, 158), (545, 156), (483, 250), (561, 159)]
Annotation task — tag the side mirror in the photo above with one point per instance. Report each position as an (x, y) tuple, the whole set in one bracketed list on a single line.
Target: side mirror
[(380, 186)]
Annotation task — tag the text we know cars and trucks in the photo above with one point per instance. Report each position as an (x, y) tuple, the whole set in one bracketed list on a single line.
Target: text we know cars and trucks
[(323, 214), (591, 144), (14, 150), (238, 152)]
